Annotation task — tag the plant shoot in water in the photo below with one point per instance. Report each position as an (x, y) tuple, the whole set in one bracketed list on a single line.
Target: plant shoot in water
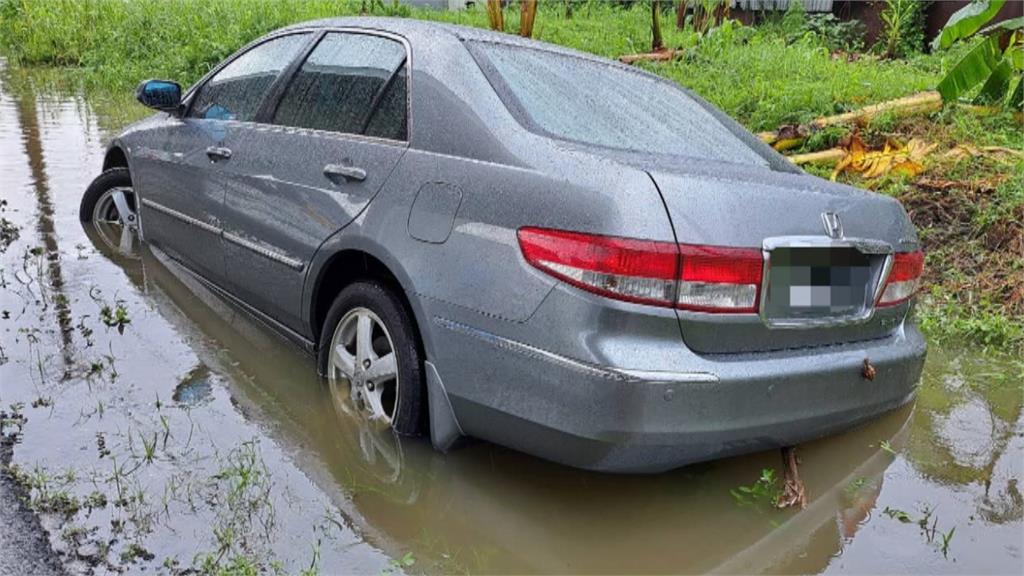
[(116, 317), (765, 491)]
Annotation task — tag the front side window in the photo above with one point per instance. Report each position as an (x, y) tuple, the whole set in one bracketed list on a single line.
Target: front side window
[(351, 83), (600, 104), (236, 92)]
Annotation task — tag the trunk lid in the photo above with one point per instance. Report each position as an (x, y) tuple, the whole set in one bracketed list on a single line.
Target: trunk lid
[(827, 252)]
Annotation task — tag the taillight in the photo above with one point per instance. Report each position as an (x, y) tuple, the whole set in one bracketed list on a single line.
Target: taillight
[(715, 279), (702, 278), (904, 278), (633, 270)]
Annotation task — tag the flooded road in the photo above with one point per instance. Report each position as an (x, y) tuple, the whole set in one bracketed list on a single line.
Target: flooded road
[(159, 427)]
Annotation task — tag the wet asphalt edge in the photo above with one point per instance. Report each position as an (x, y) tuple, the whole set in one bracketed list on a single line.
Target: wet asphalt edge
[(24, 546)]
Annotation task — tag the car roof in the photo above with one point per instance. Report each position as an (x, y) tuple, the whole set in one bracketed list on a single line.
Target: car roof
[(410, 28)]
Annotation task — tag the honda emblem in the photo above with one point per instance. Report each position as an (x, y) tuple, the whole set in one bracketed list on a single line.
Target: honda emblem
[(833, 225)]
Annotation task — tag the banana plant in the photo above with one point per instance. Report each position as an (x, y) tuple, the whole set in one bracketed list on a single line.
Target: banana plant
[(995, 63)]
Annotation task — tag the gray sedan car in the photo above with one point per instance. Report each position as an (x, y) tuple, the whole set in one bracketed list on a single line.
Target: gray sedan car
[(484, 236)]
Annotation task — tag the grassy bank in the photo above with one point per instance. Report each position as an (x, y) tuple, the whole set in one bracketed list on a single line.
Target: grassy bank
[(760, 78), (969, 209)]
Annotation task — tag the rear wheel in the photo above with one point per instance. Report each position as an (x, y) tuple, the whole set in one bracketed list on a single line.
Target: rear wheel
[(370, 355)]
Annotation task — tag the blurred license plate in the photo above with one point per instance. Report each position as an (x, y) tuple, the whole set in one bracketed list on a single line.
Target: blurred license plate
[(818, 282)]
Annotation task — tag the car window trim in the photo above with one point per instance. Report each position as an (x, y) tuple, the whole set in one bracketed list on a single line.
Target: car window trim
[(406, 62), (375, 103), (268, 107), (190, 96)]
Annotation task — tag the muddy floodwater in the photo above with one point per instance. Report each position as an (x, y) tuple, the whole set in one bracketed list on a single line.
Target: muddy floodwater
[(158, 428)]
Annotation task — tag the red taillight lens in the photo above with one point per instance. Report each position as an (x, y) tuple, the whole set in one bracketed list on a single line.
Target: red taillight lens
[(703, 278), (904, 278), (633, 270)]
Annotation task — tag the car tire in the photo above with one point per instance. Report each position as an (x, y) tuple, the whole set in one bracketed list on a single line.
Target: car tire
[(409, 412), (112, 178)]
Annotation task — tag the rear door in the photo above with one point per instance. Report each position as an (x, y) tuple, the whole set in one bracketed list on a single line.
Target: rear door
[(323, 151), (181, 171)]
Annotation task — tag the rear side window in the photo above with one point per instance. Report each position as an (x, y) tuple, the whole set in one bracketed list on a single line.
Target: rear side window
[(236, 92), (604, 105), (351, 83)]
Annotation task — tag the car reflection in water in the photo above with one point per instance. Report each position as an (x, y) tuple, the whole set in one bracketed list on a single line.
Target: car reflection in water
[(484, 508)]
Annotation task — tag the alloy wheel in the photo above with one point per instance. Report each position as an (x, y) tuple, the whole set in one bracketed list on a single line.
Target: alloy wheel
[(116, 218), (363, 357)]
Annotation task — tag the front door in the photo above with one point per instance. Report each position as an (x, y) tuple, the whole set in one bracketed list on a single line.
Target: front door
[(181, 170), (329, 144)]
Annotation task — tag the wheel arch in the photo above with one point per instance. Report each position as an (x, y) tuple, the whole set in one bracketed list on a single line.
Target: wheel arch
[(341, 262), (115, 157)]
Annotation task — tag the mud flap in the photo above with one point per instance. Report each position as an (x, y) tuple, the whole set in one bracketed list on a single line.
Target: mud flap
[(445, 432)]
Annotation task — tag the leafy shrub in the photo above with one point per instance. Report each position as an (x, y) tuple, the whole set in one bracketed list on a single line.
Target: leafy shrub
[(903, 34), (794, 22), (837, 34)]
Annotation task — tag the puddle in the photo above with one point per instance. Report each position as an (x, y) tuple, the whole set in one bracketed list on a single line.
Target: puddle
[(161, 423), (194, 388)]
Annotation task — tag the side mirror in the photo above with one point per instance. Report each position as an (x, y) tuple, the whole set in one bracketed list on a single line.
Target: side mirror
[(162, 95)]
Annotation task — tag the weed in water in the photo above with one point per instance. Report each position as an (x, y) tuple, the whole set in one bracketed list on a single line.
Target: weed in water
[(8, 234), (765, 491), (135, 552), (42, 402), (116, 317), (85, 331), (407, 560), (12, 421), (95, 500), (148, 447), (929, 532), (897, 514), (240, 493), (856, 484), (48, 494), (166, 426), (946, 539)]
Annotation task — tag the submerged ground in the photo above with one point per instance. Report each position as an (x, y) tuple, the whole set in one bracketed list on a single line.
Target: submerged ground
[(148, 425)]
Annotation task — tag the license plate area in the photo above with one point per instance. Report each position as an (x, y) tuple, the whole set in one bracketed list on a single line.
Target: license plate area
[(815, 285)]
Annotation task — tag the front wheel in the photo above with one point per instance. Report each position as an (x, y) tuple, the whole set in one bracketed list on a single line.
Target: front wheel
[(109, 203), (370, 355)]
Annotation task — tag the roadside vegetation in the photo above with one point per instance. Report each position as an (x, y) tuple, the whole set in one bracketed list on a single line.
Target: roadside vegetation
[(964, 188)]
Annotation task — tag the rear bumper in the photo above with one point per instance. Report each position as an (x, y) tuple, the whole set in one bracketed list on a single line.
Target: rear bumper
[(604, 418)]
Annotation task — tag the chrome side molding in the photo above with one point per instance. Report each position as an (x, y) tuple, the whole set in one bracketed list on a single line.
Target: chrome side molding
[(268, 253), (183, 217)]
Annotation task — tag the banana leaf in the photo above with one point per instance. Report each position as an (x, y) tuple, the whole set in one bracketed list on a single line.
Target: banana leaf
[(1017, 99), (1016, 57), (974, 68), (1005, 25), (994, 89), (967, 21)]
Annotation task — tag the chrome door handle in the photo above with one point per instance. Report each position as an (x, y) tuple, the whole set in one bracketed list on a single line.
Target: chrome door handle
[(216, 153), (334, 171)]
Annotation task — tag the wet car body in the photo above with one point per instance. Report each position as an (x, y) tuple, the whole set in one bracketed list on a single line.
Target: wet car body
[(513, 353)]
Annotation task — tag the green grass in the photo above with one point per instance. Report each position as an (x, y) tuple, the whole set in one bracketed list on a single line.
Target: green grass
[(766, 82), (756, 76), (774, 74)]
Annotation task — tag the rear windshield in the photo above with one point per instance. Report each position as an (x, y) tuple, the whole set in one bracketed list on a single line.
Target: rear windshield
[(604, 105)]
